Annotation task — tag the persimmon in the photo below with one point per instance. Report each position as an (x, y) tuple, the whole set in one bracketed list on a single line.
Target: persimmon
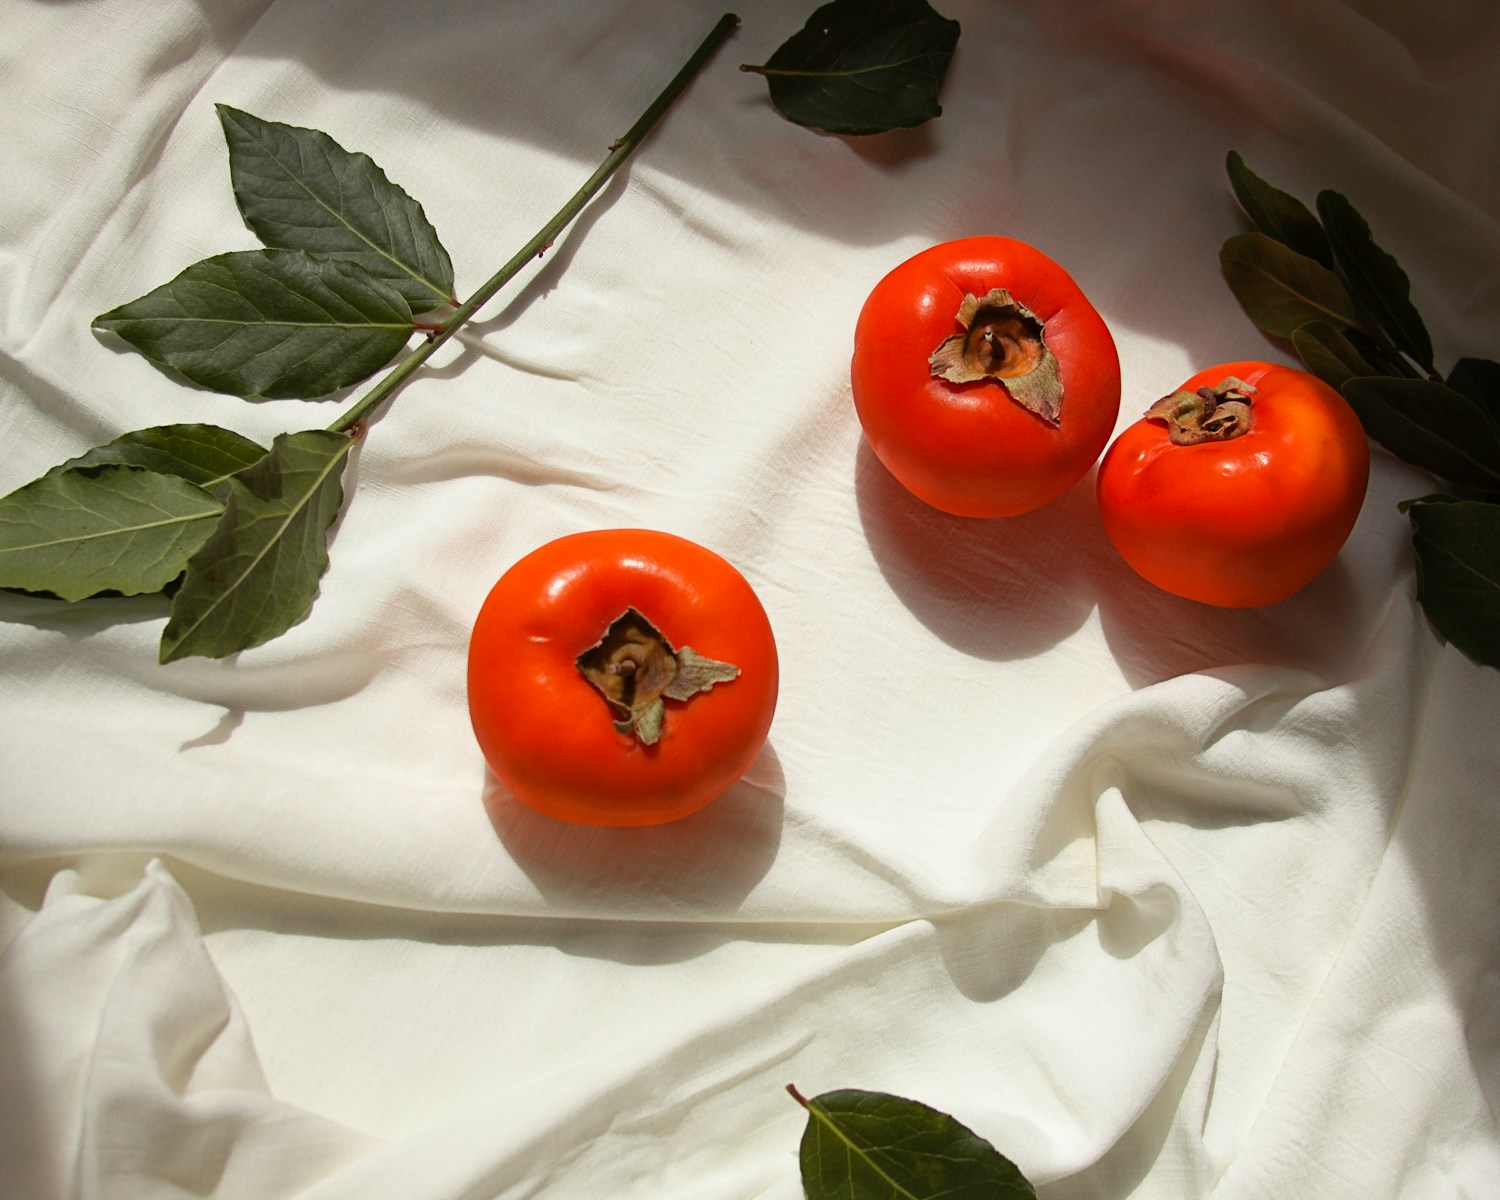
[(621, 677), (984, 379), (1240, 487)]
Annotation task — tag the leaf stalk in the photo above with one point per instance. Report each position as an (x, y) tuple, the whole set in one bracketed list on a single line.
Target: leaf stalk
[(620, 150)]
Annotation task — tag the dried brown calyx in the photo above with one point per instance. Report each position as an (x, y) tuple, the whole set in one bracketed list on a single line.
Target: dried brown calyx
[(636, 669), (1211, 414), (1002, 339)]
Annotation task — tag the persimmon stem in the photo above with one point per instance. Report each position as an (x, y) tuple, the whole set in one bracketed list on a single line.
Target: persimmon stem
[(1211, 414), (620, 150)]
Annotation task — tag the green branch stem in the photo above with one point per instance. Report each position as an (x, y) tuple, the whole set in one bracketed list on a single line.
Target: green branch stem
[(621, 150)]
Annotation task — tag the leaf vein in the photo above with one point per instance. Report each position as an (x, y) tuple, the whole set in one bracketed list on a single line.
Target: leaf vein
[(339, 219), (231, 591)]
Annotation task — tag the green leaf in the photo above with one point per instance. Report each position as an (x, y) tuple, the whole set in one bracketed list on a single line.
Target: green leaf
[(258, 574), (1278, 214), (1329, 354), (862, 66), (203, 454), (269, 323), (1377, 282), (1479, 380), (860, 1145), (1281, 290), (300, 190), (102, 529), (1431, 426), (1457, 545)]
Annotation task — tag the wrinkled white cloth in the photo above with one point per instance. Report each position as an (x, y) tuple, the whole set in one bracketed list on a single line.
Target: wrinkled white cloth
[(1163, 901)]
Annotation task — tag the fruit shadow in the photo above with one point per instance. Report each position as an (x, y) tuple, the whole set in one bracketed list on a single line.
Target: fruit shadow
[(1154, 635), (705, 864), (1002, 589), (1324, 629), (1012, 588)]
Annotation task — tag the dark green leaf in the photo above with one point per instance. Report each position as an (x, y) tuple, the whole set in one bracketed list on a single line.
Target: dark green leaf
[(300, 190), (1457, 544), (102, 529), (203, 454), (268, 323), (860, 1145), (1278, 214), (1430, 426), (1377, 282), (258, 574), (1329, 354), (1281, 290), (862, 66), (1479, 380)]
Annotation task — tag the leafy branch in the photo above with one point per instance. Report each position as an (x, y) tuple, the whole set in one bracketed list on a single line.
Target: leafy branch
[(237, 532), (350, 270), (1320, 281)]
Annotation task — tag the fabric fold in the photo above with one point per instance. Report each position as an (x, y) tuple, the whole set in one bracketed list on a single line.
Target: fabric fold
[(129, 1069)]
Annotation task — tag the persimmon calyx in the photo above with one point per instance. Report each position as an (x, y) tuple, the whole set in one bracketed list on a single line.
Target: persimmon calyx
[(1002, 339), (1211, 414), (637, 670)]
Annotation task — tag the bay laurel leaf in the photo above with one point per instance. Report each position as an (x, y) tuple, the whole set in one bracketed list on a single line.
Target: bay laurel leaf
[(258, 574), (272, 323), (1431, 426), (862, 66), (1376, 281), (108, 528), (203, 454), (298, 189), (1479, 380), (1281, 290), (1457, 545), (862, 1145), (1278, 214), (1329, 353)]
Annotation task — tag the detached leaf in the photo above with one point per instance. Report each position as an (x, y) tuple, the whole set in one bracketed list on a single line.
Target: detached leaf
[(275, 323), (300, 190), (862, 66), (1329, 354), (1457, 544), (203, 454), (102, 529), (861, 1145), (1379, 285), (1278, 214), (1429, 425), (258, 574), (1479, 380), (1281, 290)]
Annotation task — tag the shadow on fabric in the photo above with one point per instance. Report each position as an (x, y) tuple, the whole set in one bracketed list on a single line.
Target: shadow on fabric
[(1002, 589), (704, 864)]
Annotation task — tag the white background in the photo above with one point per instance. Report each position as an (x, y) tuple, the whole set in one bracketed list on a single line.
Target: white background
[(1164, 901)]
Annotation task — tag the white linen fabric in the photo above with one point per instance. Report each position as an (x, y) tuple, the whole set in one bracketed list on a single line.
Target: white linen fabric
[(1163, 901)]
